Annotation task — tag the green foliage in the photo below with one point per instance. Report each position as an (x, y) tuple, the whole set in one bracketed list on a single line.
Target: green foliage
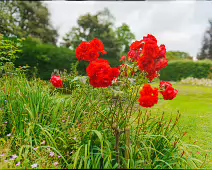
[(77, 128), (125, 37), (10, 48), (24, 19), (177, 55), (71, 80), (45, 58), (177, 70)]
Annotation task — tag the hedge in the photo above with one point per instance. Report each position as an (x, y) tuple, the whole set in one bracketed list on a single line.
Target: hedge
[(46, 58), (177, 70)]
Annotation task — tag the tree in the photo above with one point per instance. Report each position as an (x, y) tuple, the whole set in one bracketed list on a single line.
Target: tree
[(125, 38), (8, 22), (101, 26), (206, 49), (23, 19), (178, 55)]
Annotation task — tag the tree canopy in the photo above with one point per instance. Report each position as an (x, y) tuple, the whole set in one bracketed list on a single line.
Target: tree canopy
[(177, 55), (206, 49), (27, 18), (101, 26)]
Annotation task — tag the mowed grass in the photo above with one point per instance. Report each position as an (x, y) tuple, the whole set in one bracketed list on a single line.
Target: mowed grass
[(195, 105)]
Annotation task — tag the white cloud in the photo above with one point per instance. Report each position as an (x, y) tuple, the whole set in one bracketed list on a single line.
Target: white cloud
[(179, 25)]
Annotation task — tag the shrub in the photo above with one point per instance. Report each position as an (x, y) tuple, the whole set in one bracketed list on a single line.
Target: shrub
[(45, 58), (9, 50), (177, 70)]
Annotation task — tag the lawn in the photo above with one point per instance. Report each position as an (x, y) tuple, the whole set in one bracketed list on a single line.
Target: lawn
[(195, 105)]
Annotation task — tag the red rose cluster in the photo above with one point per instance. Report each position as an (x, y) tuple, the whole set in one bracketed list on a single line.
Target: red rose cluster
[(90, 51), (101, 74), (168, 91), (151, 58), (56, 81), (149, 95), (99, 71)]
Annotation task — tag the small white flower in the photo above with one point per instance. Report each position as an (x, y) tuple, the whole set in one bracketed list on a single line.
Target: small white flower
[(56, 163), (6, 160), (2, 155), (43, 143), (13, 157), (34, 165), (35, 149), (51, 154), (18, 164), (8, 135), (75, 138), (59, 156)]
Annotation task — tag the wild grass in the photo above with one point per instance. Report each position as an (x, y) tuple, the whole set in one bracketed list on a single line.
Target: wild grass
[(85, 129)]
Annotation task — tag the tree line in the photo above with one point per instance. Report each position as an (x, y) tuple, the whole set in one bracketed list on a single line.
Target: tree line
[(32, 19)]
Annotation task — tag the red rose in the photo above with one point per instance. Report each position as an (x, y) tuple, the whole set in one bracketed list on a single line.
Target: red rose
[(149, 96), (90, 51), (82, 51), (98, 45), (162, 49), (150, 39), (168, 92), (123, 58), (134, 55), (153, 57), (101, 74), (56, 81), (136, 45), (151, 50)]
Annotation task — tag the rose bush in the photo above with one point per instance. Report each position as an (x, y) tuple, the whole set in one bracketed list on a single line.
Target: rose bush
[(145, 57), (142, 65)]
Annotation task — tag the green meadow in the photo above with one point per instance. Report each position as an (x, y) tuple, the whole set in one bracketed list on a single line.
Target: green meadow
[(195, 105)]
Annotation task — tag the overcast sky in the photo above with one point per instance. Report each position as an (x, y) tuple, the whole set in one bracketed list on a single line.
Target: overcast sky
[(179, 25)]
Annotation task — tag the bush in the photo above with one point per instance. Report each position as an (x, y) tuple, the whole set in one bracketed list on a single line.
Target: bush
[(9, 50), (45, 58), (177, 70)]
